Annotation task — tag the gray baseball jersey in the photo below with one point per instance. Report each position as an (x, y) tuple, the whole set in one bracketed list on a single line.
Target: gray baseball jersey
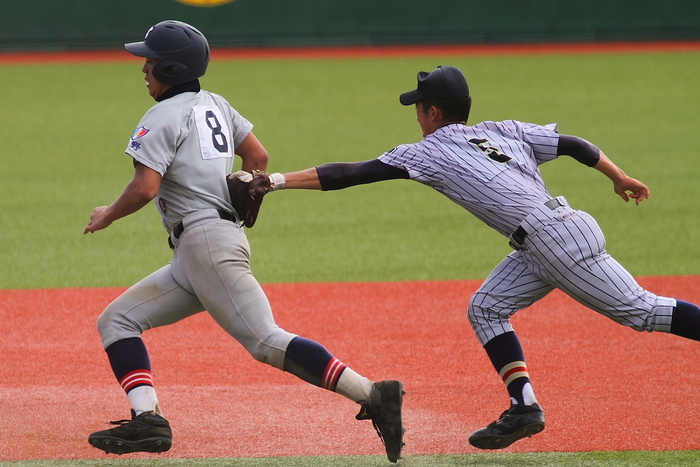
[(203, 131), (491, 169), (190, 140)]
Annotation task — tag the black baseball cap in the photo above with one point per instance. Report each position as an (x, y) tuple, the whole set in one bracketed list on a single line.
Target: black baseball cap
[(444, 82)]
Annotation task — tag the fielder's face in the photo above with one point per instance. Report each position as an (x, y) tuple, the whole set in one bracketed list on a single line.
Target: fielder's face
[(155, 87), (428, 121)]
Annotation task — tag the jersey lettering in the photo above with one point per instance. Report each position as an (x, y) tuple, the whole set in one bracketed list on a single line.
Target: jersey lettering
[(213, 132), (492, 152)]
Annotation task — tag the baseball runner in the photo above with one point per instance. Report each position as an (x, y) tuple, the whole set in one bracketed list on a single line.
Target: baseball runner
[(491, 170), (182, 150)]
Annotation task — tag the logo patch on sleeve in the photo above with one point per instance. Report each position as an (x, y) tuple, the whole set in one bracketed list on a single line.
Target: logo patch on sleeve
[(139, 132)]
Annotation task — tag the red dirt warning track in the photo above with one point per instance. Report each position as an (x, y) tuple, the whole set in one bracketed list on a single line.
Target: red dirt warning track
[(604, 387), (296, 53)]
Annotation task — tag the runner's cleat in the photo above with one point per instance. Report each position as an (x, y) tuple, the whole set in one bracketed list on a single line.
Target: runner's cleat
[(384, 409), (147, 432)]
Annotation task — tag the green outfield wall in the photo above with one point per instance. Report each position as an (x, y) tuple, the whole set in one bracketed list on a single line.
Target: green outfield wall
[(97, 24)]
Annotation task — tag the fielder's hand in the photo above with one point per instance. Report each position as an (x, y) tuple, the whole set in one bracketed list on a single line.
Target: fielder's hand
[(247, 190), (628, 188)]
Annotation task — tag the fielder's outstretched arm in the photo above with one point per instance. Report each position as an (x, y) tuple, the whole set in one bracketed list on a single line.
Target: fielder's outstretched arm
[(339, 175), (626, 187), (303, 180), (588, 154)]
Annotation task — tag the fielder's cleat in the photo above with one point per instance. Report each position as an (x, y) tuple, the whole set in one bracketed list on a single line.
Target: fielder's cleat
[(518, 422), (147, 432), (384, 409)]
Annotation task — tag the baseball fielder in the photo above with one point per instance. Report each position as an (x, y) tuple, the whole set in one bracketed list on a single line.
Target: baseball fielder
[(182, 151), (491, 170)]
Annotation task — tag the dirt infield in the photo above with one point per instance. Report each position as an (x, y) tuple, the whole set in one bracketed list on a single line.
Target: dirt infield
[(604, 387)]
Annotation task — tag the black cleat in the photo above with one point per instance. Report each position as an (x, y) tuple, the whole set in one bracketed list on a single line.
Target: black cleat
[(518, 422), (384, 409), (147, 432)]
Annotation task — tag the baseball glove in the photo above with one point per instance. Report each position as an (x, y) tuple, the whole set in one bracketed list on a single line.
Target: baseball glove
[(247, 190)]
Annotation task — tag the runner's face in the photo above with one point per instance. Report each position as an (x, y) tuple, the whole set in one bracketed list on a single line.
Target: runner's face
[(155, 87)]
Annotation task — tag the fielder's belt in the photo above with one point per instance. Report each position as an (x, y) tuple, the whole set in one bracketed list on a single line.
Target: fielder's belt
[(517, 238)]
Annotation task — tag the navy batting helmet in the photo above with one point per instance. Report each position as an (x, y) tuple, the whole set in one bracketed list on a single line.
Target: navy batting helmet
[(182, 51)]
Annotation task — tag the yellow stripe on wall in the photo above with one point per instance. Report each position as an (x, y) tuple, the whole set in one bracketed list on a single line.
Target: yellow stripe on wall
[(204, 2)]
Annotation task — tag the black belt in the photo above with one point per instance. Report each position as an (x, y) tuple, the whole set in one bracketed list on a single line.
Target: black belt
[(179, 227), (517, 238)]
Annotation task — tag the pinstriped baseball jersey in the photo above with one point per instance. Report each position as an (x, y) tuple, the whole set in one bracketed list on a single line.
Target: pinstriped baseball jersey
[(490, 169), (189, 139)]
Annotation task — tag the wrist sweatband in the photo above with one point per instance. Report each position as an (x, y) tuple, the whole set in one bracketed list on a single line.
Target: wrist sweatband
[(278, 181)]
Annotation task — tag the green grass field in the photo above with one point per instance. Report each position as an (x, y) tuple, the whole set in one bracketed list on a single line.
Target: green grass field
[(556, 459), (64, 129)]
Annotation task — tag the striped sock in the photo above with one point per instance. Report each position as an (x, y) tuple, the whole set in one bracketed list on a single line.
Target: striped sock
[(513, 371), (132, 368), (331, 374), (135, 379), (517, 382), (311, 362), (506, 355)]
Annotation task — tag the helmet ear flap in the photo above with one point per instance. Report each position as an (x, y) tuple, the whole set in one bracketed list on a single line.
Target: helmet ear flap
[(168, 71)]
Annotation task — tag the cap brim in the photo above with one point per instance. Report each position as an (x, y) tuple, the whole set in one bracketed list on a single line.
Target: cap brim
[(140, 49), (410, 97)]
